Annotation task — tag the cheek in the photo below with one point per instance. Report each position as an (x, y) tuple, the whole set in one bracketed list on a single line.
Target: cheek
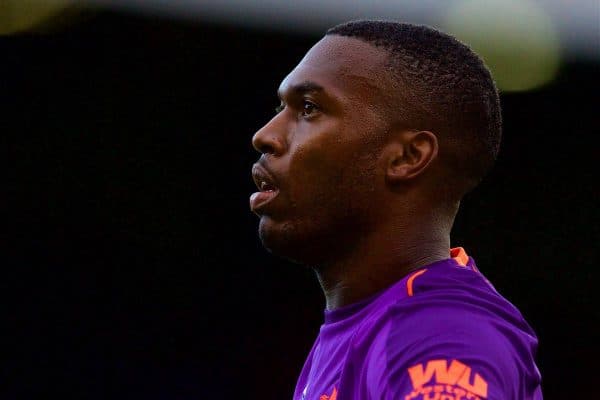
[(317, 165), (332, 176)]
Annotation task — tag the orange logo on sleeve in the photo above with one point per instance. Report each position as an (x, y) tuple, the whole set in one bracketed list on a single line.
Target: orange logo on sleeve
[(333, 395), (438, 381)]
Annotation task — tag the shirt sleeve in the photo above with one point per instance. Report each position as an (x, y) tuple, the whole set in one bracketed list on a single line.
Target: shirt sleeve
[(445, 365), (450, 357)]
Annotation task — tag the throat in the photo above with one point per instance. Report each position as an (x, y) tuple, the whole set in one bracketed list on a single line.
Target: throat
[(346, 283)]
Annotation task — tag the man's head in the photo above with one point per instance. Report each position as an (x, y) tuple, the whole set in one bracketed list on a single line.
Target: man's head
[(380, 121)]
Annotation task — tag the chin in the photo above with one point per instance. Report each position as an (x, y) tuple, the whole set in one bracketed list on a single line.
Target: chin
[(280, 239), (300, 243), (287, 240)]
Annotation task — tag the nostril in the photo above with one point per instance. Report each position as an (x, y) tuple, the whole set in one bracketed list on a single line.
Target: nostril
[(267, 145), (263, 144), (266, 149), (268, 141)]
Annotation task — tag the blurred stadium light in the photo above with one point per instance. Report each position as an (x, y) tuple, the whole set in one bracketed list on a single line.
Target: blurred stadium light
[(523, 41), (516, 38), (21, 15)]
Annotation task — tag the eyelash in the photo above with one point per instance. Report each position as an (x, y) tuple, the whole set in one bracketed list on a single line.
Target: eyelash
[(305, 102), (311, 104)]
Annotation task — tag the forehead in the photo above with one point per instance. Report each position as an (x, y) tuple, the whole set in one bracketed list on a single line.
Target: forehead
[(343, 67)]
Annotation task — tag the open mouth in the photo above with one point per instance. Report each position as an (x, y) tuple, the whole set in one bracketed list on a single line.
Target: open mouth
[(266, 185)]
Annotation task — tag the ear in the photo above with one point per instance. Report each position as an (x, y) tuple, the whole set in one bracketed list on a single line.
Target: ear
[(409, 154)]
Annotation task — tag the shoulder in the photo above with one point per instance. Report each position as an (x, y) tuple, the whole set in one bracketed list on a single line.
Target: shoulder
[(454, 330), (454, 298)]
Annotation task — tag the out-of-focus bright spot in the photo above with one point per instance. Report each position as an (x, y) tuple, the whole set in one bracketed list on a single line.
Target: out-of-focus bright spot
[(22, 15), (516, 39)]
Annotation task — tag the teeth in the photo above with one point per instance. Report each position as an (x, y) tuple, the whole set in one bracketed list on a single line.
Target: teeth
[(266, 187)]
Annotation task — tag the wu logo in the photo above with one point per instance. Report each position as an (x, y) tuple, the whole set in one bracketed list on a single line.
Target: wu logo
[(438, 380), (332, 396)]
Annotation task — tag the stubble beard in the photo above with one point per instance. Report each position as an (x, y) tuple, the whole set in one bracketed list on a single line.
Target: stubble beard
[(334, 222)]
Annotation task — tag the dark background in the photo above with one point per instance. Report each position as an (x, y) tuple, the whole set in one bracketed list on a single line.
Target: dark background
[(132, 268)]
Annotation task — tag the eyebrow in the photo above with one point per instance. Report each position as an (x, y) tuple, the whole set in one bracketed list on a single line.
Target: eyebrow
[(303, 88)]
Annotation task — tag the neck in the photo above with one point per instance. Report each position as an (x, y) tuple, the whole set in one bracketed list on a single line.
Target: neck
[(381, 259)]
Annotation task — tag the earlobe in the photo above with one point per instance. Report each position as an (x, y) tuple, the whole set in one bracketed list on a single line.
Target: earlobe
[(410, 155)]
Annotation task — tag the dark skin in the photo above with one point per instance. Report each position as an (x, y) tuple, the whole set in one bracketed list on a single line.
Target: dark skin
[(355, 194)]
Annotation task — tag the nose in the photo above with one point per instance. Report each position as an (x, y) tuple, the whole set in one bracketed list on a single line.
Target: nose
[(270, 139)]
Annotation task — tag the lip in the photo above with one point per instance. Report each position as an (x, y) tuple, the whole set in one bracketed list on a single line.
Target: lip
[(261, 174), (258, 200)]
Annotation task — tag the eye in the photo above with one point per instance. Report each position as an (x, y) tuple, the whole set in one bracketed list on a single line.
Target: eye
[(308, 108)]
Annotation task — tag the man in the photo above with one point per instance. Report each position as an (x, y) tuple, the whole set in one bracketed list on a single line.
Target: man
[(382, 128)]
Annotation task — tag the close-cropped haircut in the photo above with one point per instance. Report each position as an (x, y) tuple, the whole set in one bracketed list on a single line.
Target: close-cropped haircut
[(443, 87)]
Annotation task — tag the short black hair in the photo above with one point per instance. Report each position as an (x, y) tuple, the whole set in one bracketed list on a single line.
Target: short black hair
[(445, 88)]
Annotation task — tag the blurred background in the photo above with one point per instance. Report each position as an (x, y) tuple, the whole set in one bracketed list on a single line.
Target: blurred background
[(131, 264)]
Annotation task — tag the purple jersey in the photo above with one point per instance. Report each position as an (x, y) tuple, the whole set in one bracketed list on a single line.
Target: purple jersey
[(441, 333)]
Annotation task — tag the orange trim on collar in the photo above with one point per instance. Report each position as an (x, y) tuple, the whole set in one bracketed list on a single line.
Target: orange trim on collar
[(409, 282), (459, 255)]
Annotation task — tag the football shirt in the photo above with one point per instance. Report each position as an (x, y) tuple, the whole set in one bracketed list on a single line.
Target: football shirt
[(441, 333)]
